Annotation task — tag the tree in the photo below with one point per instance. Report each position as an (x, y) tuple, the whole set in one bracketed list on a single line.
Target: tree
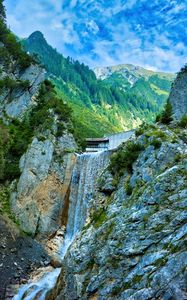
[(166, 116), (2, 11)]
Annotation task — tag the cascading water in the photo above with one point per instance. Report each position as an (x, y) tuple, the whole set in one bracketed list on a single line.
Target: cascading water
[(84, 177)]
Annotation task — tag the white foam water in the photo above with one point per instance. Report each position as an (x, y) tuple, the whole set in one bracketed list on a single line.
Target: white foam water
[(83, 183)]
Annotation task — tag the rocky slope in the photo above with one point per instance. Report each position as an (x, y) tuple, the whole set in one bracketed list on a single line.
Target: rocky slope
[(38, 200), (134, 244), (17, 98), (36, 160), (19, 256)]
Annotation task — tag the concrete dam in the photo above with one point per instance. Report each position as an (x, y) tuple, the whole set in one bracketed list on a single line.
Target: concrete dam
[(108, 142)]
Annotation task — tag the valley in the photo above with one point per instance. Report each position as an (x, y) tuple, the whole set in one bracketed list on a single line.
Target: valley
[(93, 172)]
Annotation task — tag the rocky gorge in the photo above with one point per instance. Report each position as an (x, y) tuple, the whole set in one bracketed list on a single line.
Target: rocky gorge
[(126, 229), (75, 225)]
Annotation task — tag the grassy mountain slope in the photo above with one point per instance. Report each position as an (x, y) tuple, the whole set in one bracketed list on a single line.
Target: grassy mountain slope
[(101, 106), (154, 87)]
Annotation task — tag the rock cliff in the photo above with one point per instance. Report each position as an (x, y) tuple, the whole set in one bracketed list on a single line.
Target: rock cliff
[(37, 196), (19, 94), (38, 200), (178, 95), (134, 244)]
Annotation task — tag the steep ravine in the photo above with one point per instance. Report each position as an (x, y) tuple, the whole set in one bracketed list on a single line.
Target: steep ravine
[(82, 188), (133, 246)]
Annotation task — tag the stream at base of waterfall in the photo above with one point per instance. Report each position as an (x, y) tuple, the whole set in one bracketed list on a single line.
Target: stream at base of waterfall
[(83, 184)]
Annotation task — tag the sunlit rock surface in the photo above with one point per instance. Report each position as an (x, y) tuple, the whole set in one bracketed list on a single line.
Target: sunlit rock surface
[(178, 95), (134, 246)]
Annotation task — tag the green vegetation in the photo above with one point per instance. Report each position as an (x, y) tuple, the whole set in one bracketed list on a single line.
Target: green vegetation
[(183, 122), (99, 217), (128, 187), (2, 10), (5, 204), (41, 117), (166, 115), (11, 85), (124, 158), (16, 136), (99, 107), (156, 143), (10, 47), (156, 133), (14, 139)]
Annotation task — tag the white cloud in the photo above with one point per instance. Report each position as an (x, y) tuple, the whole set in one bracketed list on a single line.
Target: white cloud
[(92, 26), (99, 32)]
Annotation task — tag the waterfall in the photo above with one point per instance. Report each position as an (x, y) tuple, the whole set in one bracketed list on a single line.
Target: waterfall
[(87, 169)]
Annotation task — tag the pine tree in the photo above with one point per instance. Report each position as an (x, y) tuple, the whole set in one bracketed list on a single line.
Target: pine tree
[(166, 116), (2, 11)]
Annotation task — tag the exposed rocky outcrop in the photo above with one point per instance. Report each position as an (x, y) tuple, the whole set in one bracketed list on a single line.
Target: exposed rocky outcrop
[(134, 246), (14, 102), (39, 197), (178, 95), (19, 255)]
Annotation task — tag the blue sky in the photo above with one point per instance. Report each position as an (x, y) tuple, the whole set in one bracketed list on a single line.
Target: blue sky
[(149, 33)]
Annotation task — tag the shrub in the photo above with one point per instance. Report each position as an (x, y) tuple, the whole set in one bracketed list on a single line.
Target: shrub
[(156, 143), (42, 116), (99, 217), (128, 188), (124, 158), (12, 48), (12, 84), (139, 131), (166, 115), (14, 139), (183, 122)]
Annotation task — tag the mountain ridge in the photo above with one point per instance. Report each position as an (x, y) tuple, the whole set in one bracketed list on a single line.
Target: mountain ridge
[(129, 66), (108, 107)]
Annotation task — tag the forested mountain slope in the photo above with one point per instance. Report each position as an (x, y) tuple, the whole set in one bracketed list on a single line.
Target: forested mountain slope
[(101, 106)]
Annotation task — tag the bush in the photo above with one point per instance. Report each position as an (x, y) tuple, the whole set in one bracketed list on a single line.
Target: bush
[(42, 116), (124, 158), (139, 131), (128, 188), (156, 143), (11, 84), (12, 48), (166, 115), (14, 139), (99, 217), (183, 122)]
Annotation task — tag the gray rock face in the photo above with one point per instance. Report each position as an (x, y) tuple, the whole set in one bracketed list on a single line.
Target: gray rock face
[(178, 95), (38, 199), (23, 98), (134, 246)]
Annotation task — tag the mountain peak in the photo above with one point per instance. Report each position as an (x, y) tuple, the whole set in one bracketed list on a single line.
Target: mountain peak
[(36, 35)]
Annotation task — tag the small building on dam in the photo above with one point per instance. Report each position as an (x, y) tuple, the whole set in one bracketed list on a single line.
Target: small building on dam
[(108, 142)]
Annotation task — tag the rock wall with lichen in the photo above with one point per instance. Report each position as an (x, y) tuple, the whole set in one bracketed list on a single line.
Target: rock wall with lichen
[(134, 244), (178, 95), (38, 197), (20, 93)]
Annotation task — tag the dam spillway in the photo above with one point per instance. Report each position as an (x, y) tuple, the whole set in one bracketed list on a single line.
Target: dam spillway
[(87, 169)]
